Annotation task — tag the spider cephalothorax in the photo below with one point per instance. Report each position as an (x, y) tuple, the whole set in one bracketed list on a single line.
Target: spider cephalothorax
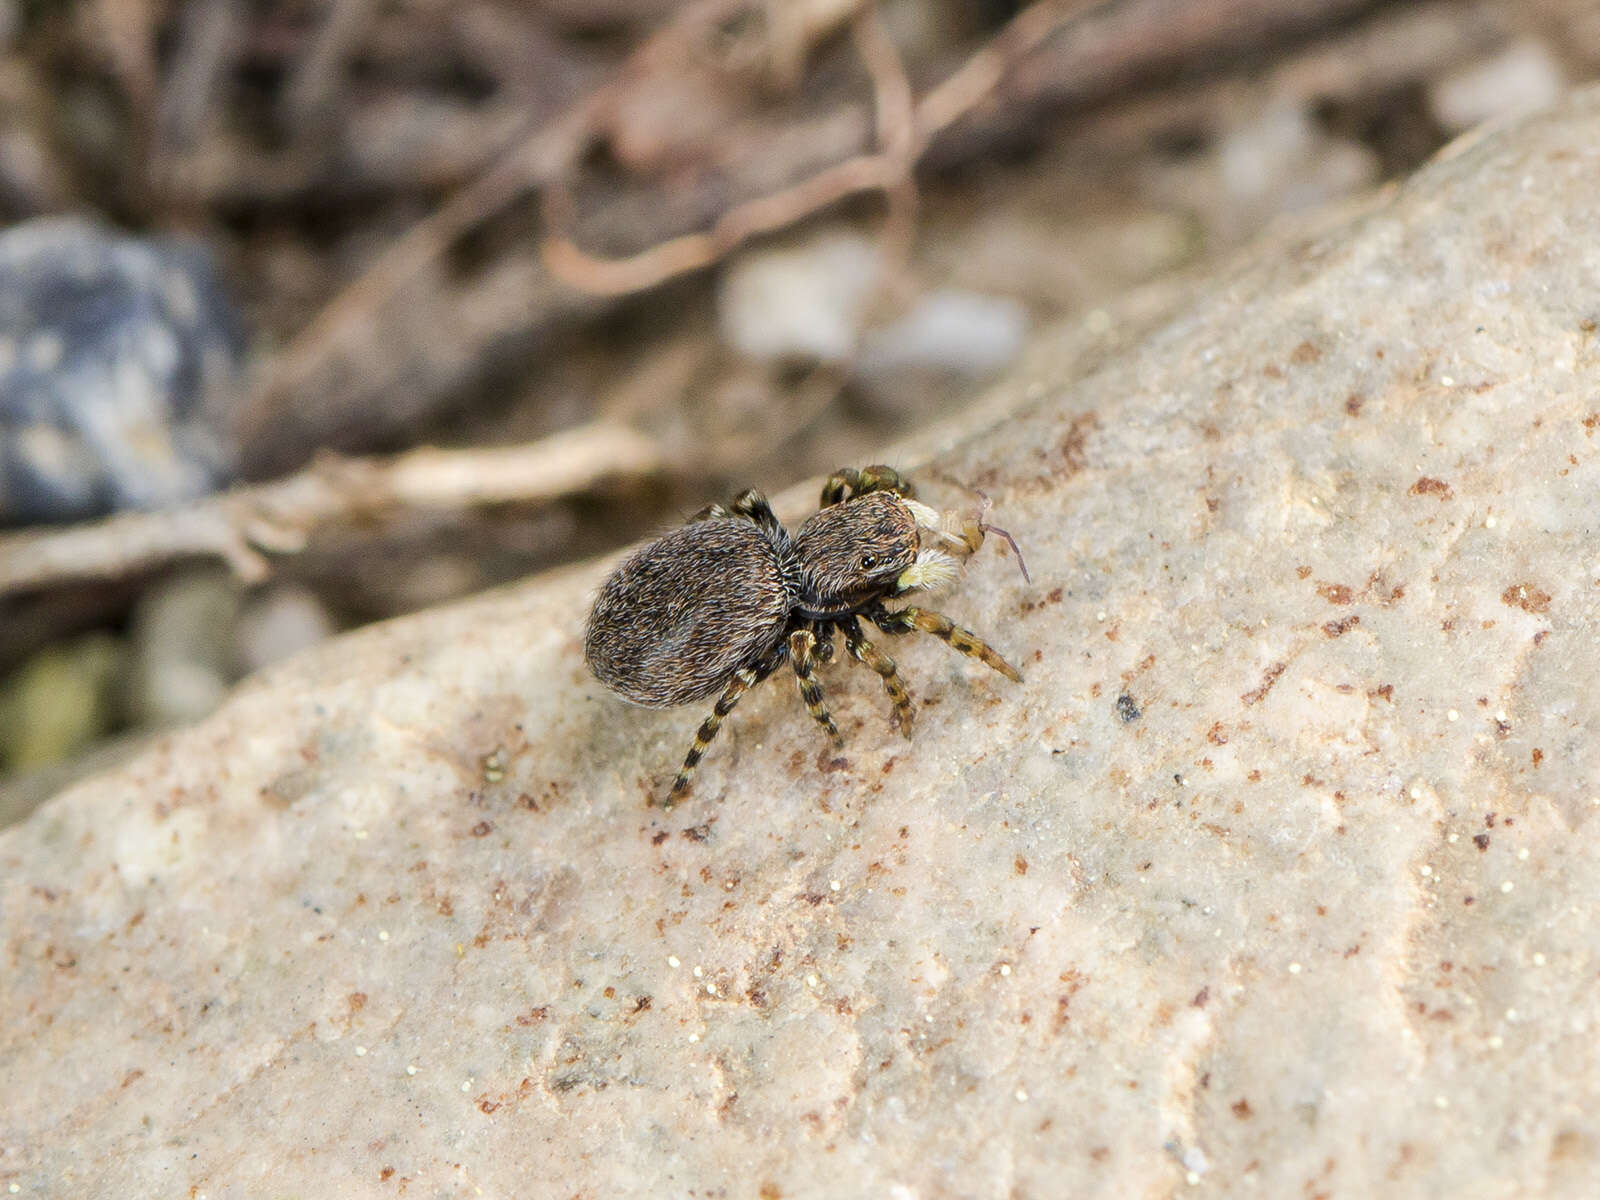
[(719, 604)]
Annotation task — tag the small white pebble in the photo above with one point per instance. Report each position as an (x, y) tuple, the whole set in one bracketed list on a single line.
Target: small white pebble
[(383, 935), (1192, 1178), (1453, 838), (1441, 1102), (833, 885), (1022, 1094), (1426, 869), (1100, 616), (411, 1069), (361, 1051), (1447, 381), (360, 835), (1415, 793), (698, 973), (711, 989), (1501, 715), (1522, 854), (466, 1085), (14, 1189), (1507, 886), (1489, 522), (1452, 715), (1538, 960), (672, 961), (1511, 1015), (694, 1037), (1496, 1041), (1294, 968), (1005, 968), (812, 981)]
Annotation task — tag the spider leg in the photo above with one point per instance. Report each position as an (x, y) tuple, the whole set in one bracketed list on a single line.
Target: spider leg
[(741, 683), (907, 620), (753, 506), (866, 653), (824, 649), (802, 643), (749, 504), (847, 483), (840, 486)]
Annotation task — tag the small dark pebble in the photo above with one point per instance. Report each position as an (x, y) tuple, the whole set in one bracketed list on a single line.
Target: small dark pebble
[(118, 357)]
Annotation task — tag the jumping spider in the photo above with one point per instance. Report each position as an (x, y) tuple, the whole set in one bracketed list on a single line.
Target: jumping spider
[(720, 603)]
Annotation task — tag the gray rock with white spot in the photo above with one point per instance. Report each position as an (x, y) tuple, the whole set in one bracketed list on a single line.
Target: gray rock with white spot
[(117, 359), (1315, 910)]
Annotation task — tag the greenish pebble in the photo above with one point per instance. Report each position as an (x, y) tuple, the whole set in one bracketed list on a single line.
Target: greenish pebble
[(59, 701)]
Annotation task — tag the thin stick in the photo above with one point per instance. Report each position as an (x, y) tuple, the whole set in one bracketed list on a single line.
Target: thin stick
[(280, 517), (884, 171)]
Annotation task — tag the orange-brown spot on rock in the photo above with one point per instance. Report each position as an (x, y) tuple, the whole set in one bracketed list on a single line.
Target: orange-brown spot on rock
[(1591, 423), (385, 1174), (1304, 354), (1353, 404), (1527, 597), (1020, 866), (1200, 997), (1217, 735), (1336, 593), (357, 1001), (534, 1015), (1072, 448), (1242, 1109), (482, 829), (770, 1191), (1342, 626), (1538, 756), (1302, 572), (1428, 486), (1268, 678)]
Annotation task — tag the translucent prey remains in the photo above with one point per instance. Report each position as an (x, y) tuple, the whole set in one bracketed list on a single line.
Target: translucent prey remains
[(713, 608)]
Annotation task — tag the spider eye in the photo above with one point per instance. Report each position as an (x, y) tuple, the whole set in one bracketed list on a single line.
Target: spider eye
[(868, 561)]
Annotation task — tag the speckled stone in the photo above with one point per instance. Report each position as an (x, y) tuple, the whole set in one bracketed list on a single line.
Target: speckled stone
[(1279, 876), (116, 359)]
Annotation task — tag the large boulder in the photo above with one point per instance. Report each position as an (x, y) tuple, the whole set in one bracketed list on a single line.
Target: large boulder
[(1280, 875)]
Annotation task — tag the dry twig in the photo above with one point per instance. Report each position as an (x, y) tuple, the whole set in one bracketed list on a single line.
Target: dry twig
[(244, 525), (905, 131)]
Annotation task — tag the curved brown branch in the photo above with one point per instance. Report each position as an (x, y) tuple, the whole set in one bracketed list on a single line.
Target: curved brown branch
[(905, 130), (243, 526)]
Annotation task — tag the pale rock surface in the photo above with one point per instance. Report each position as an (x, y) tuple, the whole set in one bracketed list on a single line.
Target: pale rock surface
[(1315, 910)]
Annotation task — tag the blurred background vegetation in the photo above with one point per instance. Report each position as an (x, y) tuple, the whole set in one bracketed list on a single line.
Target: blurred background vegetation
[(313, 312)]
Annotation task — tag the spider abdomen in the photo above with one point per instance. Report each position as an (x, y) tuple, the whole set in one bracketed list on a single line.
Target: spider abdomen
[(683, 614)]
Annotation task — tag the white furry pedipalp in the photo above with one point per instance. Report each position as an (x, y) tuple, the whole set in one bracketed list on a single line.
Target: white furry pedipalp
[(933, 569)]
